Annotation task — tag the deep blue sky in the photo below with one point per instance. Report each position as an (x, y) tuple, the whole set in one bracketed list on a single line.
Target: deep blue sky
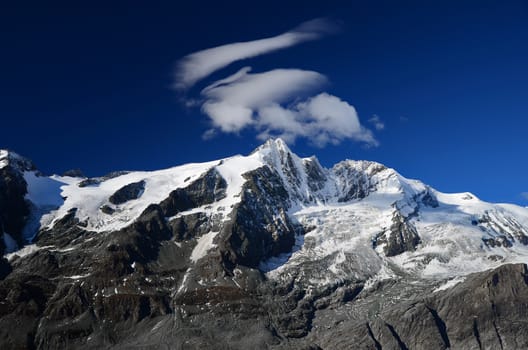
[(88, 84)]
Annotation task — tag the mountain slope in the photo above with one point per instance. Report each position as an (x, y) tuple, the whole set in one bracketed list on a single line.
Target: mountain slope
[(269, 245)]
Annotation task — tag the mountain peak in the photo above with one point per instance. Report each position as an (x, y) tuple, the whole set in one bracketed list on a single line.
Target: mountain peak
[(10, 158), (274, 144)]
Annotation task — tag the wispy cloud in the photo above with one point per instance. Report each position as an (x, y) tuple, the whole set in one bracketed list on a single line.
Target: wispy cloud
[(198, 65), (375, 120), (275, 103), (524, 195)]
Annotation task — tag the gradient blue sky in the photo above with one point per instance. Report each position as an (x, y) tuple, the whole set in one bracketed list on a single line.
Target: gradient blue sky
[(88, 84)]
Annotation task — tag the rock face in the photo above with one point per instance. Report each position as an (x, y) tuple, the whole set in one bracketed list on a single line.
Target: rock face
[(400, 237), (14, 209), (209, 188), (355, 179), (486, 311), (127, 193), (267, 251), (261, 227)]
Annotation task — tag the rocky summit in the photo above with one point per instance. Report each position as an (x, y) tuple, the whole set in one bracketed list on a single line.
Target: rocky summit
[(264, 251)]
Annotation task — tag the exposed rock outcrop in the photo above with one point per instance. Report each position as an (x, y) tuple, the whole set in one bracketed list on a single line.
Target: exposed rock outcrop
[(207, 189), (127, 193), (400, 237), (14, 209)]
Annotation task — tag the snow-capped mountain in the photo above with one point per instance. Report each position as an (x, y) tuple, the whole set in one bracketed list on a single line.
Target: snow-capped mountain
[(287, 244)]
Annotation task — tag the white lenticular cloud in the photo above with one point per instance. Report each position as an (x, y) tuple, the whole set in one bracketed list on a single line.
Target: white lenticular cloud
[(323, 119), (255, 90), (198, 65), (276, 103), (255, 101), (230, 103)]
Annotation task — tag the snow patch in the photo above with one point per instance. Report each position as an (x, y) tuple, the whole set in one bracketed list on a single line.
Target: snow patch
[(205, 243), (183, 287), (29, 249), (451, 283), (232, 170), (77, 277), (157, 325)]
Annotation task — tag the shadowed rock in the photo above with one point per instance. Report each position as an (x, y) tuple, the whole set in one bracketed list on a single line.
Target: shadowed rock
[(127, 193), (14, 210), (400, 237)]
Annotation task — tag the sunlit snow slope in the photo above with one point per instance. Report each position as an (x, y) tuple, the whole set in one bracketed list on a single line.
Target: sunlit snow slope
[(361, 219)]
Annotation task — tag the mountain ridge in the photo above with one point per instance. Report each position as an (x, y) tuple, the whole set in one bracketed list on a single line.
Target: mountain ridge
[(307, 183), (271, 244)]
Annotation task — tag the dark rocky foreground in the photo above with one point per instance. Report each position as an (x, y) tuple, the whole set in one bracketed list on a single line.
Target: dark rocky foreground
[(140, 288), (44, 307)]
